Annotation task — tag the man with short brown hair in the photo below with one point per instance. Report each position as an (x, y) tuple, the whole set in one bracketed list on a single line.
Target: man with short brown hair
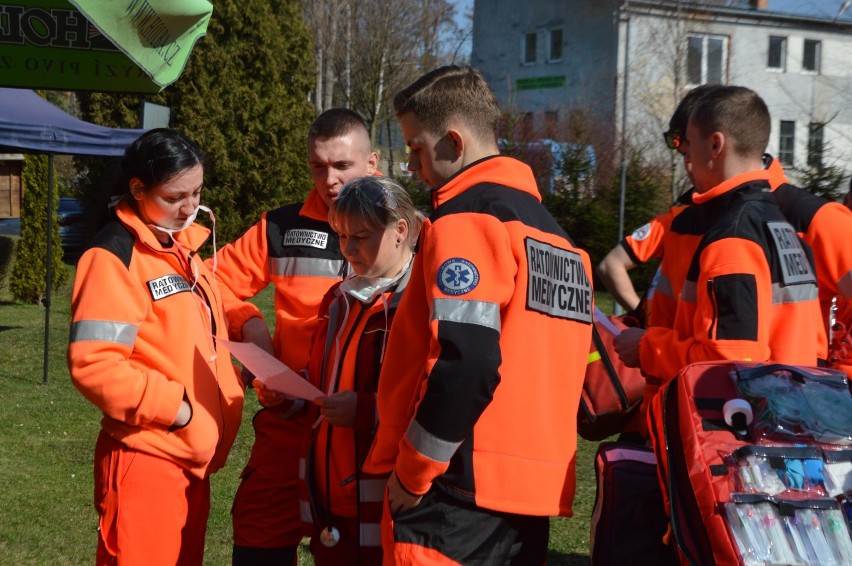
[(750, 291), (484, 366)]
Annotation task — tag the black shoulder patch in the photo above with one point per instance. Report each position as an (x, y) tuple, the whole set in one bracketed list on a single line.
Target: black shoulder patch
[(505, 204), (734, 298), (116, 238), (797, 205)]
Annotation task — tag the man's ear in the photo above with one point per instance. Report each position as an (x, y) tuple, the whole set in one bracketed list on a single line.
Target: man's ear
[(372, 162), (719, 141), (456, 142)]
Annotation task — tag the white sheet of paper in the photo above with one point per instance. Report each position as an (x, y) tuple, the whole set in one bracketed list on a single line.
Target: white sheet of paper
[(273, 373), (606, 322)]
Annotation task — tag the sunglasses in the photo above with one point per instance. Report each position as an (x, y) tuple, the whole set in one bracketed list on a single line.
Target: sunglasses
[(673, 139), (369, 191)]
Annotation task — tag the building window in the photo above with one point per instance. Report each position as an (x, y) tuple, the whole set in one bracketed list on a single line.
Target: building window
[(551, 121), (706, 59), (528, 48), (777, 53), (527, 126), (555, 53), (811, 55), (786, 143), (815, 144)]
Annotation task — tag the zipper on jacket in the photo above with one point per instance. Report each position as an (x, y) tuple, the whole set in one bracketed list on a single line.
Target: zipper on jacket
[(711, 292)]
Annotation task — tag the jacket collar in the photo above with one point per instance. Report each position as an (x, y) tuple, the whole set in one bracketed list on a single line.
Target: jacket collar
[(314, 207), (192, 238), (731, 184), (495, 169)]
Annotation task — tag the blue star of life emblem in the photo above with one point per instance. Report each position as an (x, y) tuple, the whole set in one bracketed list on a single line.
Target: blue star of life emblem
[(457, 276)]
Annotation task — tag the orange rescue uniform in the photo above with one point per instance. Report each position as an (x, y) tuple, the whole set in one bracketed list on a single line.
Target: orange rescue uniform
[(750, 289), (146, 324), (484, 368), (346, 355), (295, 249)]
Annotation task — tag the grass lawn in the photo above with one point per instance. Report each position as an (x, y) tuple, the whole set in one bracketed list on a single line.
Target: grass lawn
[(47, 437)]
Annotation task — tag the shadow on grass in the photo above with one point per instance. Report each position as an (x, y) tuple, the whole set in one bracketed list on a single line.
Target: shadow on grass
[(4, 328), (563, 559)]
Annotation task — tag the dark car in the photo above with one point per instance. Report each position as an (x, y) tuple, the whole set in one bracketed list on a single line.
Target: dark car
[(73, 230), (10, 226)]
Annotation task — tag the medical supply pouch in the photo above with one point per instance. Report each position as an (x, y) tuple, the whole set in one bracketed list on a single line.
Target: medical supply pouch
[(720, 484), (691, 440), (612, 391), (769, 530), (797, 404), (628, 519), (790, 472), (838, 471)]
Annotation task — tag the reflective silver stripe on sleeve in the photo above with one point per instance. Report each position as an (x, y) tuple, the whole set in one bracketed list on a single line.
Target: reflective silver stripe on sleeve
[(104, 331), (688, 293), (793, 293), (303, 468), (305, 267), (430, 445), (305, 512), (664, 286), (371, 534), (845, 285), (372, 490), (468, 312)]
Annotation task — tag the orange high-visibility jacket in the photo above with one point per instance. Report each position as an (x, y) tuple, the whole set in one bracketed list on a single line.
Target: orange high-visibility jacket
[(679, 244), (750, 289), (294, 248), (353, 335), (826, 227), (490, 343), (141, 342), (648, 242)]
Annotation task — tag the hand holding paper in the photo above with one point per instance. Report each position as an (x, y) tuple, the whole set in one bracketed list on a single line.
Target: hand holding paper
[(271, 372), (606, 322)]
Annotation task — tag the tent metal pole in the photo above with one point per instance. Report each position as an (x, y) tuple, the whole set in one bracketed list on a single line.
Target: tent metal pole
[(48, 278)]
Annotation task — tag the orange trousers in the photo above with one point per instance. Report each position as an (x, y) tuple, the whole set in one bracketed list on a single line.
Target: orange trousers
[(151, 510)]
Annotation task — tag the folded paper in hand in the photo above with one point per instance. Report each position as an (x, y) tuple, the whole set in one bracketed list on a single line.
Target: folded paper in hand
[(271, 372)]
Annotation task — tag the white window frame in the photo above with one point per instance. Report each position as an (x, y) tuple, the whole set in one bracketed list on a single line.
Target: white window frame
[(787, 156), (550, 57), (784, 50), (705, 38), (816, 144), (817, 56), (524, 52)]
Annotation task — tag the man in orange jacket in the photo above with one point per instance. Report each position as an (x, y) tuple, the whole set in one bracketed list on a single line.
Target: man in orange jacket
[(295, 249), (750, 288), (482, 376), (648, 241)]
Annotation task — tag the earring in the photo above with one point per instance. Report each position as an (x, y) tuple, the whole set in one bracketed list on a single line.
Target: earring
[(397, 242)]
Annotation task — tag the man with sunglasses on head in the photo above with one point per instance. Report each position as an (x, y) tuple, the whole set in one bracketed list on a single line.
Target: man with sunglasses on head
[(823, 225), (749, 287), (294, 249)]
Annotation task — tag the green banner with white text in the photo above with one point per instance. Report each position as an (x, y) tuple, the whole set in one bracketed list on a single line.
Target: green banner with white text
[(158, 35), (50, 44)]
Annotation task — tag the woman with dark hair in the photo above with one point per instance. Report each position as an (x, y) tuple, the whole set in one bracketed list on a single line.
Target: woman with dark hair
[(147, 317)]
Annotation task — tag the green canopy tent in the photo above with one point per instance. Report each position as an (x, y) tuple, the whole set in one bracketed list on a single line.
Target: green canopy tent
[(130, 46)]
